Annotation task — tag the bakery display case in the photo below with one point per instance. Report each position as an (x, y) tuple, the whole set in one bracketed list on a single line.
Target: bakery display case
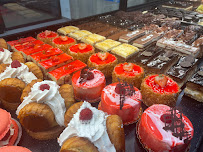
[(98, 51)]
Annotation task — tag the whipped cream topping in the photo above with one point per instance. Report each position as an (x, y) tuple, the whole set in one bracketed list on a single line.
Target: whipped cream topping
[(21, 73), (115, 97), (6, 142), (5, 57), (167, 136), (50, 97), (95, 129)]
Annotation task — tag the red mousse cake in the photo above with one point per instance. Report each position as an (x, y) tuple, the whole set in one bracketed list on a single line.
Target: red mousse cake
[(159, 89), (47, 36), (123, 100), (88, 84), (63, 42), (81, 51), (128, 72), (103, 61), (162, 128)]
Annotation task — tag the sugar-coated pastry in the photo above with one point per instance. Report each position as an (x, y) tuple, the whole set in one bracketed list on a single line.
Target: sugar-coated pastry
[(42, 110), (107, 45), (103, 61), (10, 130), (78, 35), (162, 128), (92, 39), (159, 89), (88, 84), (14, 149), (128, 72), (121, 99), (81, 51), (93, 130), (47, 36), (67, 29)]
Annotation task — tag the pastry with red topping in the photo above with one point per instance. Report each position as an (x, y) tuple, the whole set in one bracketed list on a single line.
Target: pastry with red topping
[(21, 41), (64, 74), (88, 84), (81, 51), (121, 99), (159, 89), (63, 42), (162, 128), (10, 129), (128, 72), (103, 61), (47, 36)]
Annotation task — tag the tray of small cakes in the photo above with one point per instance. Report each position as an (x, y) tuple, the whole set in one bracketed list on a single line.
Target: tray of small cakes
[(98, 86)]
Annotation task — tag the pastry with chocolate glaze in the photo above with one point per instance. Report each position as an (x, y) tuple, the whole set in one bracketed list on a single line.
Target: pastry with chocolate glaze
[(43, 118), (13, 79)]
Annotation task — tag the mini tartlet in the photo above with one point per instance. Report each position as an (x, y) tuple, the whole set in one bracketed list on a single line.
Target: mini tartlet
[(159, 89), (103, 61), (47, 36)]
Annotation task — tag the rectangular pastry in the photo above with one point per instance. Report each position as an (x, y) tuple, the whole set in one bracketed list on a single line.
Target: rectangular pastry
[(78, 35), (109, 32), (172, 34), (194, 87), (107, 45), (92, 39), (146, 40), (63, 74), (20, 41), (183, 70), (67, 29), (55, 62), (127, 38), (161, 63), (116, 35)]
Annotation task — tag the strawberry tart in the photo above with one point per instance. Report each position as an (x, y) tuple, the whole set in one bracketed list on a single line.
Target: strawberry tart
[(47, 36)]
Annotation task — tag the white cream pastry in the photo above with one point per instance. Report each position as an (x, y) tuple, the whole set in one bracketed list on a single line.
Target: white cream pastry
[(5, 56), (94, 129)]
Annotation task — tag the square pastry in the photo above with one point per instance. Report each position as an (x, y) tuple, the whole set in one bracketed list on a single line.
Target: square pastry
[(107, 45), (92, 39), (67, 29), (78, 35)]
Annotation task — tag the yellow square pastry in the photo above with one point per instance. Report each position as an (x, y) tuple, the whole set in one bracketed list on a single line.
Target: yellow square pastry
[(107, 45), (92, 39), (125, 50), (67, 29), (78, 35)]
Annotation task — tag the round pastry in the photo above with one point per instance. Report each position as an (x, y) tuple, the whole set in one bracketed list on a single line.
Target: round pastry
[(10, 130), (13, 79), (63, 43), (161, 128), (44, 103), (81, 51), (123, 100), (159, 89), (128, 72), (103, 61), (3, 44), (93, 130), (47, 36), (14, 149), (88, 84)]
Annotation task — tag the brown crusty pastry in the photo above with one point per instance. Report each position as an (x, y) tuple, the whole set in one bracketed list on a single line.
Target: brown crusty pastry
[(3, 44), (8, 86), (78, 144), (3, 67), (35, 69), (17, 56)]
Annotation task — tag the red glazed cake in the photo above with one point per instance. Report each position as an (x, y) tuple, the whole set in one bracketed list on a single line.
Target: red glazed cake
[(81, 51), (63, 74), (63, 42), (159, 129), (103, 61), (20, 41), (47, 36), (88, 84), (128, 72), (129, 109), (159, 89)]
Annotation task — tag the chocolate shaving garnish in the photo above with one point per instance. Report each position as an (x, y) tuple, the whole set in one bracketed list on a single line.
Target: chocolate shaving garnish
[(176, 125), (200, 73), (185, 64), (146, 53)]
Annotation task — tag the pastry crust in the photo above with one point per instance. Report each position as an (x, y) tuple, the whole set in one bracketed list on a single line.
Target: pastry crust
[(3, 67), (10, 86), (35, 69), (3, 44), (78, 144), (18, 56)]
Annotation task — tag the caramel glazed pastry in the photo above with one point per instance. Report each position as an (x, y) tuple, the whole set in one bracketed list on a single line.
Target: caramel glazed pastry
[(13, 79), (91, 130), (43, 106)]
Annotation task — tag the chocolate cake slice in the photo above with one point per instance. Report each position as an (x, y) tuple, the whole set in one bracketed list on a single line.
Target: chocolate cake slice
[(127, 38)]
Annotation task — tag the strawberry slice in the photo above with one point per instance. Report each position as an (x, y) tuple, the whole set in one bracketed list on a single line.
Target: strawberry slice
[(161, 80), (128, 67), (82, 46), (102, 55), (63, 38), (47, 32)]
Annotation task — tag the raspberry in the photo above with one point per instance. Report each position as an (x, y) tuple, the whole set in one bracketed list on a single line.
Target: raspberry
[(166, 118), (15, 64), (90, 76), (118, 89), (86, 114), (1, 50), (44, 86)]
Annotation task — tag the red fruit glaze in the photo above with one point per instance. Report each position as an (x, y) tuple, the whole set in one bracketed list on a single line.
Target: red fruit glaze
[(50, 35), (90, 76), (15, 64), (75, 48), (166, 118), (95, 59), (86, 114), (44, 87), (1, 50), (58, 40)]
